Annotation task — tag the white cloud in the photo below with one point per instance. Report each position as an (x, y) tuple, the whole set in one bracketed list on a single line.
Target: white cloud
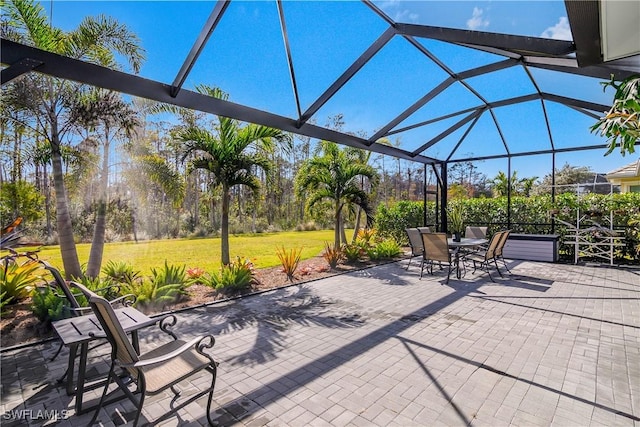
[(393, 8), (477, 21), (560, 31)]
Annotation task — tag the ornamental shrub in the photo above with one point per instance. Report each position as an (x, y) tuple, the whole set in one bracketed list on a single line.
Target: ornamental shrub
[(529, 215), (392, 220), (47, 306), (234, 277)]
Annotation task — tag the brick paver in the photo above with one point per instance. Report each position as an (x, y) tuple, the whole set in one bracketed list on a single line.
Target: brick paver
[(550, 344)]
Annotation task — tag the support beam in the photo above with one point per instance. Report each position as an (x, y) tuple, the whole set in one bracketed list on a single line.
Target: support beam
[(449, 131), (292, 74), (571, 102), (486, 69), (463, 137), (198, 46), (18, 68), (570, 66), (499, 129), (349, 73), (584, 19), (443, 196), (518, 44), (412, 109), (537, 153), (94, 75), (434, 120)]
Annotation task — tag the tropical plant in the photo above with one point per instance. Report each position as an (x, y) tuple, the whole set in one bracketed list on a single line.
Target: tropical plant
[(353, 252), (334, 177), (120, 272), (372, 253), (232, 154), (47, 306), (22, 199), (455, 212), (363, 157), (233, 277), (367, 235), (4, 302), (169, 274), (17, 280), (99, 40), (387, 248), (105, 287), (501, 184), (290, 260), (195, 274), (333, 255), (154, 295), (622, 121)]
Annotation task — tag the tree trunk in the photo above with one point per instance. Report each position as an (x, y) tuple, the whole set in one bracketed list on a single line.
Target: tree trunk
[(224, 232), (343, 234), (196, 201), (356, 227), (134, 226), (97, 244), (338, 225), (47, 199), (63, 218)]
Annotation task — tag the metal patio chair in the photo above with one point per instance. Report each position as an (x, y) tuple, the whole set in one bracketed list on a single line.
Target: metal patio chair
[(155, 371), (482, 258), (436, 249), (415, 241), (475, 232), (500, 249)]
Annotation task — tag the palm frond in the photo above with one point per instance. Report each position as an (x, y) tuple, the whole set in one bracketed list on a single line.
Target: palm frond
[(29, 18), (106, 32)]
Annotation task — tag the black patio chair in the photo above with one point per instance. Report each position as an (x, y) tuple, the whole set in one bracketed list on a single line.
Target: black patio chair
[(154, 371)]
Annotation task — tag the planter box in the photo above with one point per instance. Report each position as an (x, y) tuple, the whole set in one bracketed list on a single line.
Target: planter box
[(532, 247)]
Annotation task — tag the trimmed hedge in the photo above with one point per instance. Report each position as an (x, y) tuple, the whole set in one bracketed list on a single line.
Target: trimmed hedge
[(531, 215)]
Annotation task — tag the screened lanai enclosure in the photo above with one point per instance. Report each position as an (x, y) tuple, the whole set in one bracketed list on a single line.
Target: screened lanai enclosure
[(421, 81)]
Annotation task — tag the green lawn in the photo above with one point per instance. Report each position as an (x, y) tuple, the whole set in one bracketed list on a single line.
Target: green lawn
[(202, 252)]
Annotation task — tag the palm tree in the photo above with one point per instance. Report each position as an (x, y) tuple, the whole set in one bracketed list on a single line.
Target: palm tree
[(232, 154), (361, 156), (104, 110), (334, 176), (99, 40), (519, 187), (500, 184)]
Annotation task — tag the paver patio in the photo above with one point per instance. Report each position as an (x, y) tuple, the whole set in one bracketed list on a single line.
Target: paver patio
[(551, 344)]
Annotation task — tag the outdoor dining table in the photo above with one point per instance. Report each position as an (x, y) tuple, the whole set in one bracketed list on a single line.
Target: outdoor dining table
[(78, 332), (464, 242)]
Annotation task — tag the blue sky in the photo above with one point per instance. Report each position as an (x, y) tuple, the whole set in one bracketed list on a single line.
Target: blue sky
[(245, 56)]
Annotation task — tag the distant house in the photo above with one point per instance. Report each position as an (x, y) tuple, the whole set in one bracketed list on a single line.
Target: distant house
[(627, 177)]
